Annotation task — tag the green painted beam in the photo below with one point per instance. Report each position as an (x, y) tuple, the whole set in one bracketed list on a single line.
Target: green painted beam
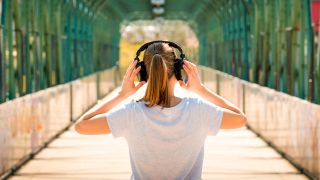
[(317, 73), (9, 51), (46, 43), (3, 87)]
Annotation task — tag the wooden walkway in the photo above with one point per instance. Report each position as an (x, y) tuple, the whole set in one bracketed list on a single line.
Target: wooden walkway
[(232, 154)]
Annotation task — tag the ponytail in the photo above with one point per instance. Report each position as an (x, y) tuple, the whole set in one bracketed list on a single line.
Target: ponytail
[(157, 92)]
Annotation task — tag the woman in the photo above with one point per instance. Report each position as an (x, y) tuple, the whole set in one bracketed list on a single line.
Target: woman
[(165, 133)]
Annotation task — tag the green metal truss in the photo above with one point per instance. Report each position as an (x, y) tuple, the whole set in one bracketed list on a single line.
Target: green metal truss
[(270, 42), (45, 43)]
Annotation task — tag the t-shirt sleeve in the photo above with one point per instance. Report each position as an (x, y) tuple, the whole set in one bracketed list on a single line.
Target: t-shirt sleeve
[(118, 120), (212, 115)]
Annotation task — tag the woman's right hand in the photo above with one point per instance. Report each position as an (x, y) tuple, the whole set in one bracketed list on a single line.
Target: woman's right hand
[(128, 86), (194, 84)]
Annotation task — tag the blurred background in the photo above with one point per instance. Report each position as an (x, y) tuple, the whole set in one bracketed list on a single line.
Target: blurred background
[(135, 34)]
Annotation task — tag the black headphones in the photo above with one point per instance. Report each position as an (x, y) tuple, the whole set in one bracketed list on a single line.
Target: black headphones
[(178, 63)]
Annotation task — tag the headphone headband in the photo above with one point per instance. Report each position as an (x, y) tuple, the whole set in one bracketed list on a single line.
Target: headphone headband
[(171, 44), (177, 64)]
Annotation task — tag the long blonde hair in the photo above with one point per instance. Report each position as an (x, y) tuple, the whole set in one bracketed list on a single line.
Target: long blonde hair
[(159, 61)]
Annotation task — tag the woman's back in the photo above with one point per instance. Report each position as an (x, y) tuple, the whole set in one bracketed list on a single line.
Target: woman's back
[(165, 138), (166, 143)]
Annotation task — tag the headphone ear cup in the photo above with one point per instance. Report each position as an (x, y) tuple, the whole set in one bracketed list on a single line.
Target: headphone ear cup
[(177, 68), (143, 76)]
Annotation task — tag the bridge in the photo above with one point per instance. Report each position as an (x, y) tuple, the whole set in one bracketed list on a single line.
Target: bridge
[(58, 59)]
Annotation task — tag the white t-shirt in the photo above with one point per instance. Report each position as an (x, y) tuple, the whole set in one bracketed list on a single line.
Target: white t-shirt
[(166, 143)]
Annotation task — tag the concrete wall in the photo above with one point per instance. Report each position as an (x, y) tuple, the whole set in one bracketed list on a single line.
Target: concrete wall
[(27, 123), (290, 124)]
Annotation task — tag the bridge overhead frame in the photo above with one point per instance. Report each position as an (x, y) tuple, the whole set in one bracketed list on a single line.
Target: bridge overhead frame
[(269, 42)]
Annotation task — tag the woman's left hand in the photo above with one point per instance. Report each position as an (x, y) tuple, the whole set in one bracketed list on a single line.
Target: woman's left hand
[(128, 87)]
